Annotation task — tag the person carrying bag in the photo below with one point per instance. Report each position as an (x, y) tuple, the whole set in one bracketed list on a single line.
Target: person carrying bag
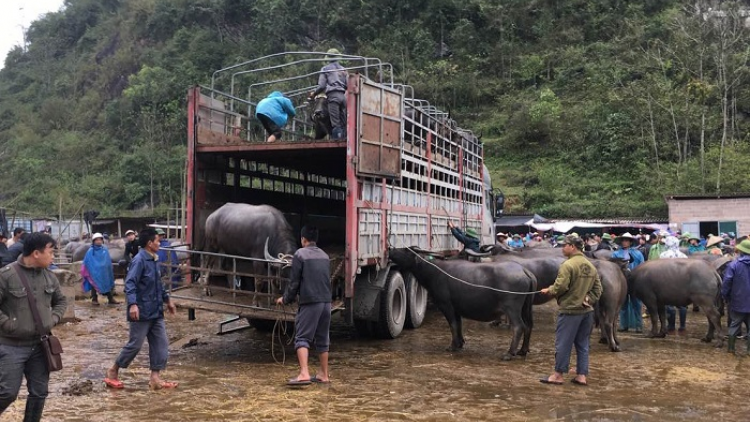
[(31, 303)]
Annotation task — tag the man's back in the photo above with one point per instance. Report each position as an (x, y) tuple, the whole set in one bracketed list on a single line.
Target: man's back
[(311, 273), (332, 78)]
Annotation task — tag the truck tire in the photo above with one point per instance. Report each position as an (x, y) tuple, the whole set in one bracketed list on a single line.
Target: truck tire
[(392, 307), (416, 302)]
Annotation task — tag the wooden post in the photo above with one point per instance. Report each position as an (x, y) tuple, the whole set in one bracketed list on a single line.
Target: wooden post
[(119, 228)]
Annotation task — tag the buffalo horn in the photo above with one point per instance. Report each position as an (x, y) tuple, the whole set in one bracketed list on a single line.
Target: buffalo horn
[(267, 255)]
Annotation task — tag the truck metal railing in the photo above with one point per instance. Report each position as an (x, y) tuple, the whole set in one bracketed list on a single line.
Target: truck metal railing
[(236, 291)]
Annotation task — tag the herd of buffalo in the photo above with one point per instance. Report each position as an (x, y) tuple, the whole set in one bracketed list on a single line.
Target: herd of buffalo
[(484, 291), (503, 285)]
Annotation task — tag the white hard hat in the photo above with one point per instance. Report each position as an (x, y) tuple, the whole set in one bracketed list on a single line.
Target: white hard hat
[(97, 236)]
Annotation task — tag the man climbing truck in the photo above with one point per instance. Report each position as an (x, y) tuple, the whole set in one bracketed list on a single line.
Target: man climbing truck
[(402, 171)]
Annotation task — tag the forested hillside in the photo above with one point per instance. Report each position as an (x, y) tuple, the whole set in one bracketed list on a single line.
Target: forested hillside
[(587, 107)]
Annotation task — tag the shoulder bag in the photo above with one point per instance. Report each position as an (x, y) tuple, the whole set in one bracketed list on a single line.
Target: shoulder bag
[(51, 344)]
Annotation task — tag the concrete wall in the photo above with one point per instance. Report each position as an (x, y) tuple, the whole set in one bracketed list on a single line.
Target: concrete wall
[(711, 209)]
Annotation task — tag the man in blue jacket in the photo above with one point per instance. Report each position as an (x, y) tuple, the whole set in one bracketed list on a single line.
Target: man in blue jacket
[(146, 296), (273, 112), (630, 313), (735, 289)]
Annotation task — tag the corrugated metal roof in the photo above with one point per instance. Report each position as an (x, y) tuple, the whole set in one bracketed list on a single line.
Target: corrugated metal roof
[(621, 220), (734, 195)]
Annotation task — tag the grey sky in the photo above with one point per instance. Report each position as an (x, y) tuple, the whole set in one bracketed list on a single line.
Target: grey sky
[(16, 15)]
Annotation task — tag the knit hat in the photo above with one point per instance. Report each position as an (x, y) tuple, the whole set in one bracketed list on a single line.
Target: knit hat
[(744, 247), (472, 233)]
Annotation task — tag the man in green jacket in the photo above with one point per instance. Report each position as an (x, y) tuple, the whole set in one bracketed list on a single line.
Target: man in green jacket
[(577, 289), (21, 351)]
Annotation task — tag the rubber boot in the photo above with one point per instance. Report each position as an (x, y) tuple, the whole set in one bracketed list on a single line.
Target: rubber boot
[(34, 410), (731, 342), (111, 299)]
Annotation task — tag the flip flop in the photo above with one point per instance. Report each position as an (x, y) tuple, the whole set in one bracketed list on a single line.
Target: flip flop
[(317, 380), (547, 381), (114, 383), (294, 382), (162, 385), (576, 382)]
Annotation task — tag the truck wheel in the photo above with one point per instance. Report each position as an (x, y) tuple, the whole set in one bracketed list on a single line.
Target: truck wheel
[(392, 307), (416, 302)]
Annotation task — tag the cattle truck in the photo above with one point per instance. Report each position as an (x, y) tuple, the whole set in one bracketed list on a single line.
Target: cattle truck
[(402, 172)]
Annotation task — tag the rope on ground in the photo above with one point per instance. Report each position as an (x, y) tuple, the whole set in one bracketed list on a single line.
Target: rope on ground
[(466, 282)]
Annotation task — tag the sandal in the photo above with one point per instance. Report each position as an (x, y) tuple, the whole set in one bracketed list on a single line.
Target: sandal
[(114, 383), (161, 385)]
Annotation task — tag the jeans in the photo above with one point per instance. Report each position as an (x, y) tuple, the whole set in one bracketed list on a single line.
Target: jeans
[(671, 317), (158, 344), (630, 314), (17, 362), (573, 330)]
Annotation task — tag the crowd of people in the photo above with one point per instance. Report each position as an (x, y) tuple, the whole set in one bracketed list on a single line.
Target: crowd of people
[(691, 243)]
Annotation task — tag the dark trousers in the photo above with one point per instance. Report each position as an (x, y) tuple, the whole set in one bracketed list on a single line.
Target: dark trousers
[(17, 362), (671, 317), (271, 127), (738, 318), (573, 330), (337, 112), (313, 323), (158, 344)]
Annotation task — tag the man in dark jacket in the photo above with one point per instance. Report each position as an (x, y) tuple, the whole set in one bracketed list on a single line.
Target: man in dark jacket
[(3, 246), (470, 238), (735, 289), (15, 250), (131, 246), (311, 281), (332, 81), (20, 342), (146, 297)]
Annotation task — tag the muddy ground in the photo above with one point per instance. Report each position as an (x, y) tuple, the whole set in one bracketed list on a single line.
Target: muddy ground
[(235, 378)]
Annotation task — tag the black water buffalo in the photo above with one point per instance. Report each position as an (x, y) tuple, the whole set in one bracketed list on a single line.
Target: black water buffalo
[(545, 267), (679, 282), (614, 292), (463, 289), (318, 108), (247, 230)]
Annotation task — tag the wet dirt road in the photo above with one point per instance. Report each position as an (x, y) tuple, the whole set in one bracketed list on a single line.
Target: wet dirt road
[(234, 377)]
